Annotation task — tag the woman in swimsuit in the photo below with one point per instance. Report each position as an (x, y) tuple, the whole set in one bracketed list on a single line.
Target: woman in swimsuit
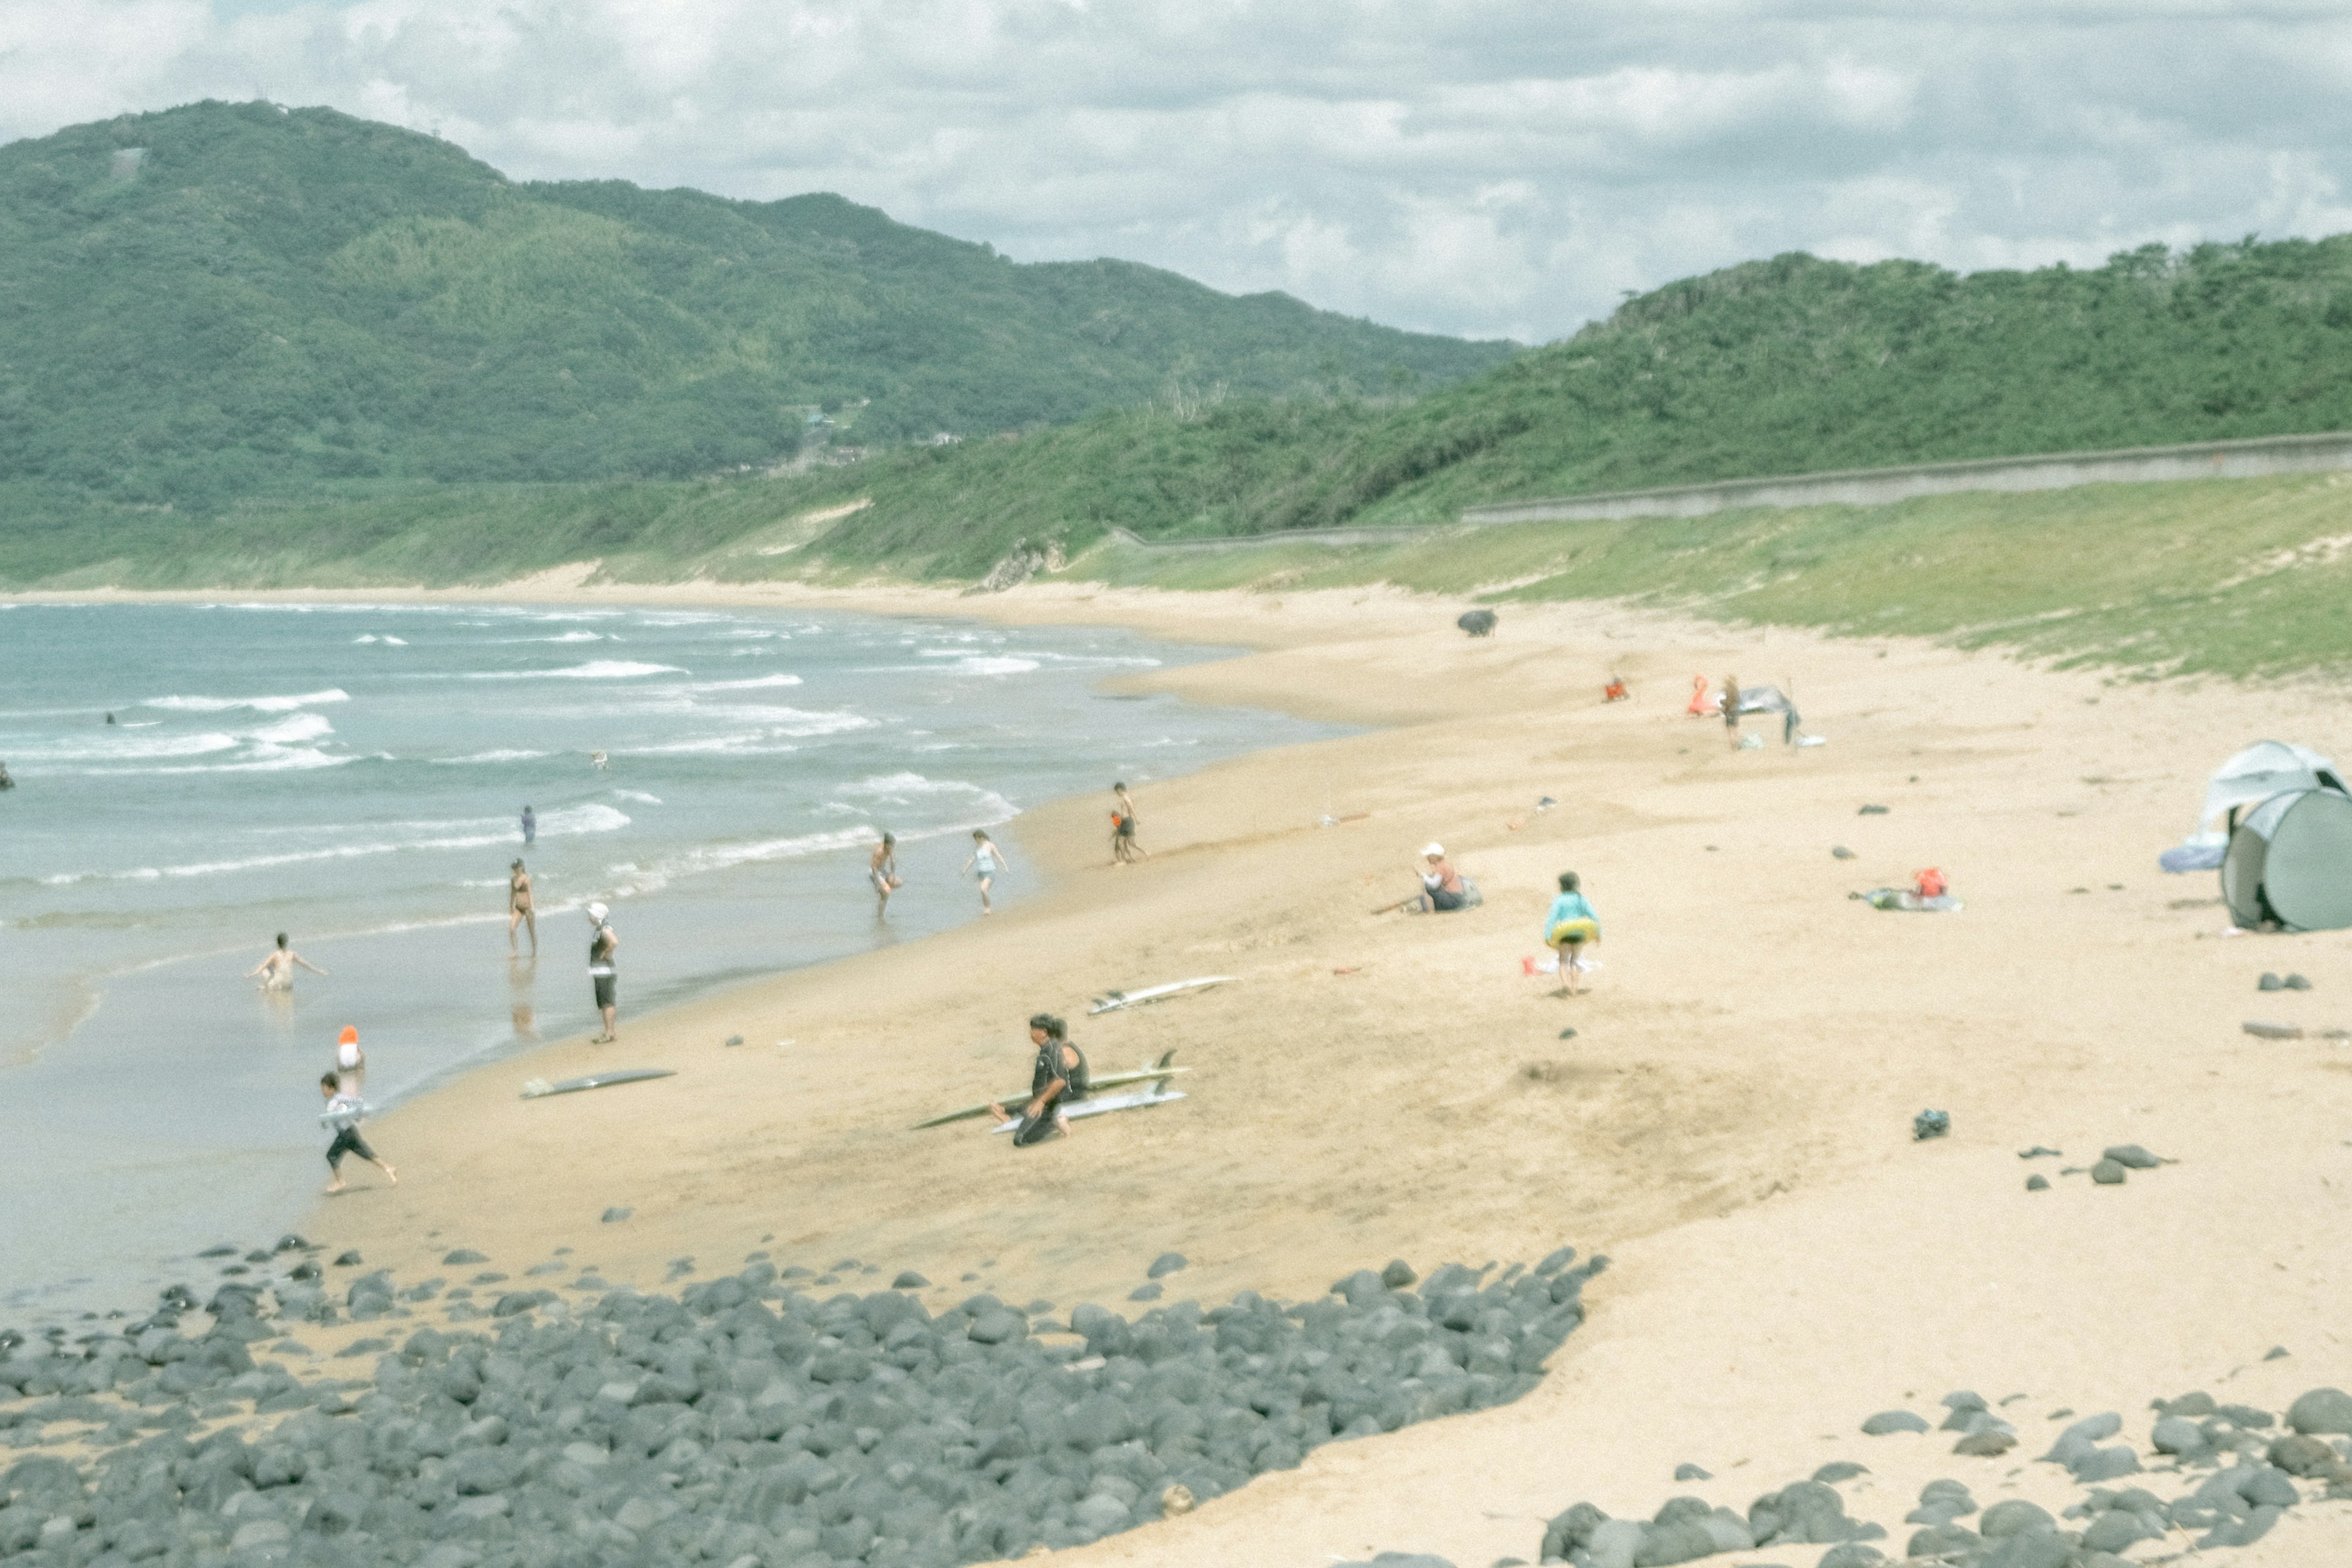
[(518, 906), (882, 870), (275, 972), (987, 860)]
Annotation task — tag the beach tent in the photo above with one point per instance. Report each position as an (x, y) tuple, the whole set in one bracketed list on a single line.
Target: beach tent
[(2290, 862), (2264, 769), (1770, 700)]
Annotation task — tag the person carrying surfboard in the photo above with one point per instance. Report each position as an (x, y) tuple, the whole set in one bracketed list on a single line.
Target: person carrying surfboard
[(1059, 1080)]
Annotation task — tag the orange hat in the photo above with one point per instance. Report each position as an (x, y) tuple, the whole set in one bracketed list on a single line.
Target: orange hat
[(350, 1036)]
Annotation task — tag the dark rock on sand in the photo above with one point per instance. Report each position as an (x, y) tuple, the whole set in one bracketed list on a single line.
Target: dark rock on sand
[(1890, 1421), (1837, 1470), (2037, 1184), (1145, 1293), (1689, 1472), (908, 1280), (1873, 811), (347, 1260), (2133, 1156), (1167, 1263), (2323, 1410), (2297, 983), (1401, 1560), (2013, 1517), (1399, 1275), (1477, 622), (2108, 1173), (462, 1256), (1964, 1406), (616, 1215), (2269, 982)]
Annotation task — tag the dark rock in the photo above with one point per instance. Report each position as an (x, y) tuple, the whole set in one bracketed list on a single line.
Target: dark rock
[(2176, 1434), (2323, 1410), (1837, 1470), (1477, 622), (1150, 1292), (1852, 1554), (2269, 982), (1689, 1472), (1988, 1444), (2244, 1415), (2299, 1455), (1839, 852), (347, 1259), (1873, 811), (2014, 1516), (2037, 1184), (2041, 1151), (2297, 983), (2194, 1404), (1167, 1263), (2108, 1174), (2133, 1156), (1889, 1421), (1555, 1261), (1398, 1275), (1943, 1540), (616, 1215), (908, 1280), (463, 1255), (2276, 1352), (1964, 1406)]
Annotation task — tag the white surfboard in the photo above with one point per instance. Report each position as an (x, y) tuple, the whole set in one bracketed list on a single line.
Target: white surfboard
[(1112, 1000), (1107, 1103)]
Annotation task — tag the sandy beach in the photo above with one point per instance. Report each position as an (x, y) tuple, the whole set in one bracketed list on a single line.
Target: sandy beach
[(1729, 1121)]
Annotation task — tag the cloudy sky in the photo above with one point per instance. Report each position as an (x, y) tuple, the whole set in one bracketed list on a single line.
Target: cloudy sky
[(1488, 167)]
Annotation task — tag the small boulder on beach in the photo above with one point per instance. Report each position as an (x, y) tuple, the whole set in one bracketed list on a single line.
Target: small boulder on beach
[(1891, 1421)]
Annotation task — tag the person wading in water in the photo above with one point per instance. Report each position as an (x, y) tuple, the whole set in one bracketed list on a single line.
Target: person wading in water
[(600, 949), (518, 906)]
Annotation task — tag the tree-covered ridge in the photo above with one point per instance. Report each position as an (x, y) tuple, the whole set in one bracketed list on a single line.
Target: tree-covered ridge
[(259, 301)]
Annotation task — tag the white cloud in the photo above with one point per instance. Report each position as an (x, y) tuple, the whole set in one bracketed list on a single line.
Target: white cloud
[(1466, 165)]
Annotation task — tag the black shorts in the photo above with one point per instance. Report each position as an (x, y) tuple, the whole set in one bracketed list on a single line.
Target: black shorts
[(604, 984), (1440, 900), (347, 1141)]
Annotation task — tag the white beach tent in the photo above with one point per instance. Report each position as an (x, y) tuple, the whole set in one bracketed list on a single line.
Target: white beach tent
[(2263, 770), (2290, 863)]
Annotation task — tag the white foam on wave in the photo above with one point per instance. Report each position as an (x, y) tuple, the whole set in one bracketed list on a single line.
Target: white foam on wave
[(905, 789), (752, 743), (569, 821), (258, 704), (594, 669), (636, 795), (129, 750), (386, 638), (506, 754), (703, 859), (755, 684)]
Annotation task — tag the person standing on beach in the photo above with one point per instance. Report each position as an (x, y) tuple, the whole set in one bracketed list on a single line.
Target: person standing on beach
[(519, 906), (530, 827), (1058, 1080), (600, 949), (275, 972), (1123, 846), (882, 870), (987, 860), (351, 1063), (1569, 924), (343, 1112), (1730, 701)]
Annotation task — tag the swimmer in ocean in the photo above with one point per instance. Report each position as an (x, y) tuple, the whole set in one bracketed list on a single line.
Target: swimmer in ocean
[(882, 870), (275, 972)]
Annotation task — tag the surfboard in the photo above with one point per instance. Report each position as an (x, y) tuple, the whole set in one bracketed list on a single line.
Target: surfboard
[(1092, 1107), (539, 1088), (1159, 1072), (1112, 1000)]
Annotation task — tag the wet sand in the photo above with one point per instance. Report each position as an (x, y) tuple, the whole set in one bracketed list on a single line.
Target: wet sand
[(1730, 1122)]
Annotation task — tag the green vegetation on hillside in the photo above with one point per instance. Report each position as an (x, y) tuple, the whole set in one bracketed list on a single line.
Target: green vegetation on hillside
[(266, 302)]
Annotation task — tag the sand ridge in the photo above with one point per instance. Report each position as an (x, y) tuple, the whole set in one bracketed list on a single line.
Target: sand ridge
[(1729, 1123)]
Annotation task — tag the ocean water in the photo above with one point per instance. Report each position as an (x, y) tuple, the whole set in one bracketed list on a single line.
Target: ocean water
[(353, 776)]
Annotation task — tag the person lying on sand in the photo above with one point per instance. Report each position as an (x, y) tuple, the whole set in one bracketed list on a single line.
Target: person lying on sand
[(1568, 926), (1441, 884), (275, 972), (343, 1113), (1058, 1080)]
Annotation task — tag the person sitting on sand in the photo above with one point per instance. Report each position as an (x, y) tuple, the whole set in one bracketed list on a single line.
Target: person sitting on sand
[(518, 906), (987, 860), (1441, 884), (882, 870), (1568, 926), (1058, 1080), (601, 969), (350, 1062), (344, 1113), (275, 972)]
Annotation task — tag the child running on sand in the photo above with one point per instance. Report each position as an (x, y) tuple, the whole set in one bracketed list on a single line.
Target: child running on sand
[(1568, 925), (344, 1113), (986, 861), (1058, 1080)]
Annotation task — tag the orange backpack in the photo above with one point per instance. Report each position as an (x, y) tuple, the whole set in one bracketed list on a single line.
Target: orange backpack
[(1929, 883)]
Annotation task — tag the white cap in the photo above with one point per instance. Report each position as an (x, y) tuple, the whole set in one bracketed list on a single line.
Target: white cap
[(597, 913), (1436, 849)]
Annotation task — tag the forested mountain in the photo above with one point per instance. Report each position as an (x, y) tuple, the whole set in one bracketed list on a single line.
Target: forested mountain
[(229, 299)]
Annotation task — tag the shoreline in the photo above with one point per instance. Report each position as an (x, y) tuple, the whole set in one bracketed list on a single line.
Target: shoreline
[(1730, 1122)]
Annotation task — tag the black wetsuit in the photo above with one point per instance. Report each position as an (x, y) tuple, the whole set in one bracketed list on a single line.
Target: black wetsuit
[(600, 957), (1042, 1077)]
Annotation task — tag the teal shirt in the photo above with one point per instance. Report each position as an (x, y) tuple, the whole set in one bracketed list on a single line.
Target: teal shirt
[(1569, 907)]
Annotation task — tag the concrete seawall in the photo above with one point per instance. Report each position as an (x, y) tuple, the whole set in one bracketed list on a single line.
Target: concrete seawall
[(2249, 460)]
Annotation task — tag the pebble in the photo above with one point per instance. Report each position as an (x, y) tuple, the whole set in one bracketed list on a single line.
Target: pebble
[(1873, 811), (2134, 1156), (2108, 1173), (2269, 982), (2297, 983), (1145, 1293), (462, 1256), (2037, 1184), (908, 1280), (1167, 1263), (1689, 1472), (615, 1216), (1891, 1421)]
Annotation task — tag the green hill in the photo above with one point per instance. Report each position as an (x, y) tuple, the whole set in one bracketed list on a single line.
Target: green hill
[(259, 301)]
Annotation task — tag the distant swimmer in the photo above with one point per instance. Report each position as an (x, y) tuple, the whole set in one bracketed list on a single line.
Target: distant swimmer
[(1569, 924), (344, 1113), (986, 863), (519, 906), (275, 972), (882, 870), (109, 718), (1058, 1080), (530, 827), (5, 781), (350, 1062), (1123, 846), (598, 758), (601, 969)]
